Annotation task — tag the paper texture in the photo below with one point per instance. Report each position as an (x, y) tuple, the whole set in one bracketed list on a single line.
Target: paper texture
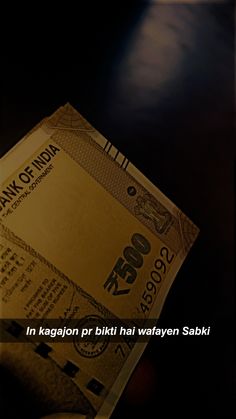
[(84, 235)]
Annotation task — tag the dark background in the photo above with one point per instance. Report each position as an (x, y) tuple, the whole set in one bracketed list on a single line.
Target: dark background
[(158, 81)]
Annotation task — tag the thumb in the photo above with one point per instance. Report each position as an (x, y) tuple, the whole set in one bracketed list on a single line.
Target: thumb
[(65, 416)]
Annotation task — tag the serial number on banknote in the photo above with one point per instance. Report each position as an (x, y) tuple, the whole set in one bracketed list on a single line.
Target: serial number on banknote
[(126, 269), (160, 268)]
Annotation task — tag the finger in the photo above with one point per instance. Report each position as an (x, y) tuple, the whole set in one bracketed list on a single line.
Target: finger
[(64, 416)]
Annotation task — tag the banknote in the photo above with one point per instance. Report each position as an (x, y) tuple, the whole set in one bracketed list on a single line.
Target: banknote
[(85, 236)]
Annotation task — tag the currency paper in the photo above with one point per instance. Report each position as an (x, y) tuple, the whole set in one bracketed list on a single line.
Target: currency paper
[(84, 235)]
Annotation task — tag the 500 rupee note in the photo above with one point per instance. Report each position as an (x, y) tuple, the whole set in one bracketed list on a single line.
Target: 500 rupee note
[(84, 236)]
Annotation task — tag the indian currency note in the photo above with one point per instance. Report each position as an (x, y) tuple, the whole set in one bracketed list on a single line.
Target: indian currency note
[(84, 235)]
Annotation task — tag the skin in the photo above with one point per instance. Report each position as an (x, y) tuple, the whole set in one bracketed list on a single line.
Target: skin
[(64, 416)]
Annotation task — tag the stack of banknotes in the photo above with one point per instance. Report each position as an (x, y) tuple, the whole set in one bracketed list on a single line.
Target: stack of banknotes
[(84, 237)]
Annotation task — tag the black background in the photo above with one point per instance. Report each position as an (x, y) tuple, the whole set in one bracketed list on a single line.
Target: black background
[(158, 81)]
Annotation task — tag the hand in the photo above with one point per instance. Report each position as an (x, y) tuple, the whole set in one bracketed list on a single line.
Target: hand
[(65, 416)]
